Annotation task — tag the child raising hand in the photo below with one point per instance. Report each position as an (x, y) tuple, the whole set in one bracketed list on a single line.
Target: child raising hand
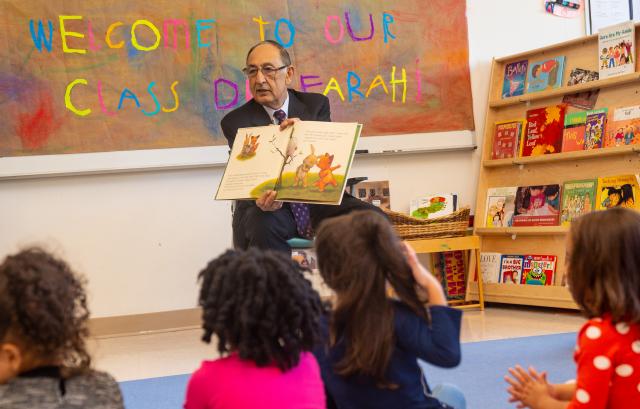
[(603, 266)]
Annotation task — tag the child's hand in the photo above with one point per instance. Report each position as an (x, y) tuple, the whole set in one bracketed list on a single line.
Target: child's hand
[(528, 388)]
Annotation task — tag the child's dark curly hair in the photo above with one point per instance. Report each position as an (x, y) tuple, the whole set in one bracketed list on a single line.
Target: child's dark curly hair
[(43, 309), (259, 304)]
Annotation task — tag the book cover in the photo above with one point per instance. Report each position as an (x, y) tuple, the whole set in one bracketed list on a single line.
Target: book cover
[(614, 191), (538, 269), (545, 74), (375, 192), (573, 133), (543, 133), (515, 74), (578, 198), (490, 267), (582, 100), (506, 139), (308, 162), (623, 127), (454, 274), (616, 45), (581, 76), (500, 206), (594, 129), (537, 206), (511, 268), (435, 205)]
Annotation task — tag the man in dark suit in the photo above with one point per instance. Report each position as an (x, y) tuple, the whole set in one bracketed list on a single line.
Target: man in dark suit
[(268, 223)]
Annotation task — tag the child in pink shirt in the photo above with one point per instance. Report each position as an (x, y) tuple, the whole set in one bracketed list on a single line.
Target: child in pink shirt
[(265, 316)]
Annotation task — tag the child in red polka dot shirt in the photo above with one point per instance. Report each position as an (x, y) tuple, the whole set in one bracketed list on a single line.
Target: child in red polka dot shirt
[(603, 260)]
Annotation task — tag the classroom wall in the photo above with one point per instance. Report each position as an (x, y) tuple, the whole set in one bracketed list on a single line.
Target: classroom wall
[(140, 238)]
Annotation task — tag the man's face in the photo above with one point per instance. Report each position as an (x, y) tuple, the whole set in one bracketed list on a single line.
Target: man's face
[(266, 90)]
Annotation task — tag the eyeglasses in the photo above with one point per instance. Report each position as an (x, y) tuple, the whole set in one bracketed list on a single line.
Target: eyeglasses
[(266, 71)]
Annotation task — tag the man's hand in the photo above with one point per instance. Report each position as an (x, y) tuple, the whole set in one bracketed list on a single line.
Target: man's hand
[(288, 122), (267, 202)]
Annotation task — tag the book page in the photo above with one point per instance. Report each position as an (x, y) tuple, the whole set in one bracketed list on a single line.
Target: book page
[(254, 163), (319, 167)]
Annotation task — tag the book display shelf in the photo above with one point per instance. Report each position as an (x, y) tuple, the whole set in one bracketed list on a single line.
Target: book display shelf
[(548, 169)]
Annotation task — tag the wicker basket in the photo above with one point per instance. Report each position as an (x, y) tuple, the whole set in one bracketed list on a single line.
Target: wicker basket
[(411, 228)]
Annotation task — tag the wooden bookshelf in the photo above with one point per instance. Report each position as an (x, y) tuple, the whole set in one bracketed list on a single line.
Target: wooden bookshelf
[(547, 169)]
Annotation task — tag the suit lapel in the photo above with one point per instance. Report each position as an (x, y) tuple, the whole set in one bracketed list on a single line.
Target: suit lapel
[(259, 116), (296, 108)]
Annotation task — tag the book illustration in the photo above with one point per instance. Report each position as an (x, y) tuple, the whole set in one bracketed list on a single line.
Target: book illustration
[(515, 74), (578, 198), (500, 206), (431, 206), (617, 50), (581, 76), (537, 206), (615, 191), (546, 74), (451, 267), (538, 269), (624, 127), (511, 268), (583, 100), (375, 192), (490, 267), (573, 134), (308, 162), (595, 128), (543, 133), (506, 139)]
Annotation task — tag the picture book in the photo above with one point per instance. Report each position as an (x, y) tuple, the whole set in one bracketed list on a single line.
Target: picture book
[(543, 133), (537, 206), (538, 269), (500, 206), (616, 49), (511, 268), (374, 192), (583, 100), (545, 74), (623, 126), (573, 133), (490, 267), (578, 198), (435, 205), (515, 74), (506, 139), (454, 274), (594, 129), (621, 190), (580, 76), (307, 162)]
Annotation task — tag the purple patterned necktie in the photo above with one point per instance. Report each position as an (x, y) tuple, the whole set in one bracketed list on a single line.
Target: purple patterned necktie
[(300, 210)]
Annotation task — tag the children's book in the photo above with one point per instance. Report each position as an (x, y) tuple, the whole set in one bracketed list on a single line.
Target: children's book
[(580, 76), (578, 198), (594, 129), (506, 139), (454, 274), (307, 162), (490, 267), (537, 206), (515, 74), (623, 127), (621, 190), (431, 206), (543, 134), (374, 192), (616, 49), (573, 134), (545, 74), (583, 100), (538, 269), (500, 206), (511, 268)]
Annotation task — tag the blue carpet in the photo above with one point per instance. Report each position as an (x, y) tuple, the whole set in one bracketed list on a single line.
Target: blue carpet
[(480, 375)]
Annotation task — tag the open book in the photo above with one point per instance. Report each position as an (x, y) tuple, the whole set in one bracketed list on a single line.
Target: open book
[(307, 162)]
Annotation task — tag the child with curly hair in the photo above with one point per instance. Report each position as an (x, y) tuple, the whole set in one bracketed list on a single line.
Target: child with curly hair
[(389, 312), (603, 267), (44, 362), (265, 316)]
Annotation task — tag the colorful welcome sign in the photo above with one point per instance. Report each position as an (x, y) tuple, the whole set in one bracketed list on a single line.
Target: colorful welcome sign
[(89, 76)]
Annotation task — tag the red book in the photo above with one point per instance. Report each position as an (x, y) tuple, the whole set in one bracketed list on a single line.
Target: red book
[(506, 139), (543, 134)]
